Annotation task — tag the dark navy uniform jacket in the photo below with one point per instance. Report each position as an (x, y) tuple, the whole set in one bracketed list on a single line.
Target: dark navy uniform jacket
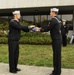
[(53, 27), (64, 29), (15, 28)]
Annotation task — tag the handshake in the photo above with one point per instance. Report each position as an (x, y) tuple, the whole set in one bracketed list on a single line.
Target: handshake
[(33, 28)]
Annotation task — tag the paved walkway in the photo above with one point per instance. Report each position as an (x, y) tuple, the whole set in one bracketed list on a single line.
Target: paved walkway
[(32, 70)]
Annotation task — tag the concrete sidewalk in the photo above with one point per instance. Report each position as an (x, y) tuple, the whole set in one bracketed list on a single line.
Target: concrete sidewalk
[(32, 70)]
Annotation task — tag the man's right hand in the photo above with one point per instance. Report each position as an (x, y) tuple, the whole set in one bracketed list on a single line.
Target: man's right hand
[(31, 26)]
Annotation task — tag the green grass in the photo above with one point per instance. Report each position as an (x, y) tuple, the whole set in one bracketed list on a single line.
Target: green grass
[(39, 55)]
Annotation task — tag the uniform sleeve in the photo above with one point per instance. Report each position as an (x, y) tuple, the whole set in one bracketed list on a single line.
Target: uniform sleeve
[(66, 29), (19, 26), (49, 26)]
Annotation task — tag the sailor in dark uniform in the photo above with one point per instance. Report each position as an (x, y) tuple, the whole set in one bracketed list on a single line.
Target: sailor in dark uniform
[(54, 28), (64, 32), (15, 28)]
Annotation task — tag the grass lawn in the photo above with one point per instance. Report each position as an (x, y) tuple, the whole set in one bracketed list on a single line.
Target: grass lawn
[(39, 55)]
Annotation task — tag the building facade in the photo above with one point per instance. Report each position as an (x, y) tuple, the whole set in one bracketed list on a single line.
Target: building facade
[(33, 6)]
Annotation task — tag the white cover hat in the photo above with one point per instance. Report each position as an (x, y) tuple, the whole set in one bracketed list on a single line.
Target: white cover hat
[(54, 9), (16, 12)]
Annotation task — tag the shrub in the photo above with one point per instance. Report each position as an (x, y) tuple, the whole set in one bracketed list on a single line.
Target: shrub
[(30, 38), (35, 38), (3, 40)]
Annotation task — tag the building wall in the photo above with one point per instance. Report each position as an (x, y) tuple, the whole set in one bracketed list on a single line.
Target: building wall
[(33, 3)]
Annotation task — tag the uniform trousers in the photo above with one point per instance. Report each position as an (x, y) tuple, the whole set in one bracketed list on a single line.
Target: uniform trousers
[(64, 40), (13, 54), (56, 45)]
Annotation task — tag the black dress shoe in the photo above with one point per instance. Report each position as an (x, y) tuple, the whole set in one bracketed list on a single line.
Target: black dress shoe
[(13, 71), (18, 69), (54, 73)]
